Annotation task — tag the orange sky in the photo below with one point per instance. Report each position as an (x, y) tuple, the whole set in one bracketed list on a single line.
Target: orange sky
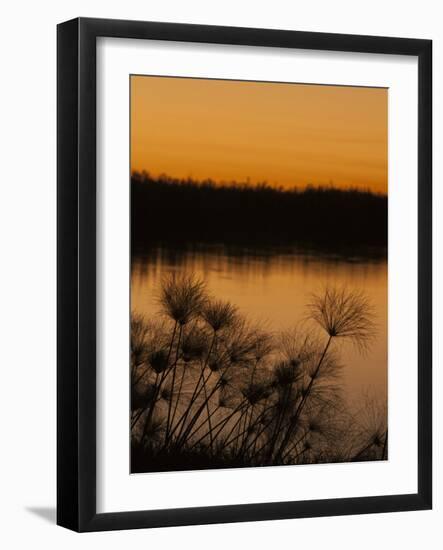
[(286, 134)]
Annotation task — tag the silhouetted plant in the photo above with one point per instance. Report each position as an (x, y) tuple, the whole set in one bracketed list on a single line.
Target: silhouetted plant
[(218, 314), (344, 313), (182, 297), (371, 431), (210, 389), (341, 313)]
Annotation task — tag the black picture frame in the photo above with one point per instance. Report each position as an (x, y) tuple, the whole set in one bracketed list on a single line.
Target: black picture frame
[(76, 296)]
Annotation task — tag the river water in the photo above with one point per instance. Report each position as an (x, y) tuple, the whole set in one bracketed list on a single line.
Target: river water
[(273, 287)]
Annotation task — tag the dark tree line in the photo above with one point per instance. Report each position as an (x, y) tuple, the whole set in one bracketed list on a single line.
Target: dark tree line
[(171, 211)]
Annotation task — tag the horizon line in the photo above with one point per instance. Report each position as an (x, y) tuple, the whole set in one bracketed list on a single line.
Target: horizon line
[(255, 184)]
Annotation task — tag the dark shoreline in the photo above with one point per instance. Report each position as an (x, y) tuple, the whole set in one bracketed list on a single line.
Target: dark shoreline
[(179, 214)]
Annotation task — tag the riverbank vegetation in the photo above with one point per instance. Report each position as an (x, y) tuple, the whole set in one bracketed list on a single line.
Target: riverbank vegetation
[(177, 212), (211, 389)]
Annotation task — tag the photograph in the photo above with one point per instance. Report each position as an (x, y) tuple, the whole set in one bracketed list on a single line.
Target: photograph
[(226, 251), (258, 306)]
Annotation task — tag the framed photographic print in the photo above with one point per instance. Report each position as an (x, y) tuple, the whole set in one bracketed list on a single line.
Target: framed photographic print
[(244, 274)]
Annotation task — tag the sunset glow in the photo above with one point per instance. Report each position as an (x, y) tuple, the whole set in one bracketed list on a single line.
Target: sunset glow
[(289, 135), (259, 313)]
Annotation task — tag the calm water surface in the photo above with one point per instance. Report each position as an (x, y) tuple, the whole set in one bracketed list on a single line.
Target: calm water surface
[(274, 288)]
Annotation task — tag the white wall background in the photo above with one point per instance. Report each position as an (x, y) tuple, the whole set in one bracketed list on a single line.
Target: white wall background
[(27, 274)]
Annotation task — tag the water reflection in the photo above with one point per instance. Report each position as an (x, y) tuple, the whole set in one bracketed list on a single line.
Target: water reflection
[(273, 286)]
